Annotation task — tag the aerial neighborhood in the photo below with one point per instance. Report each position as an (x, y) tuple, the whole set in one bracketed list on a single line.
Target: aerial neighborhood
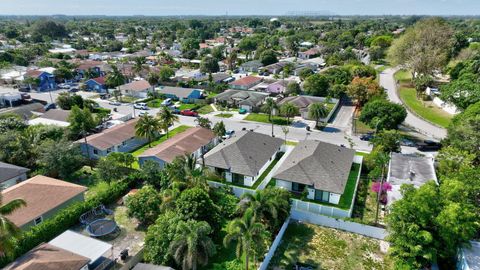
[(239, 142)]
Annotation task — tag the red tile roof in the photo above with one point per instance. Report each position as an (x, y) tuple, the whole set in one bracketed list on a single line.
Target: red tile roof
[(99, 80), (33, 73), (245, 81)]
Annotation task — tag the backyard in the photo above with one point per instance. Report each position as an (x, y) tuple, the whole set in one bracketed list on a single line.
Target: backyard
[(325, 248), (425, 109)]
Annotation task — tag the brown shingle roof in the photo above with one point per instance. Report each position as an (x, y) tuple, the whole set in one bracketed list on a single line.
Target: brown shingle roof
[(112, 136), (245, 81), (33, 73), (184, 143), (48, 257), (42, 194), (136, 86)]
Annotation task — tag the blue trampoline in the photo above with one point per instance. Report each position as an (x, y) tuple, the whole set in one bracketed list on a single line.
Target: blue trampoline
[(101, 227)]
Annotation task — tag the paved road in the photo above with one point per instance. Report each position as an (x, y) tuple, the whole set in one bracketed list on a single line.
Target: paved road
[(388, 82)]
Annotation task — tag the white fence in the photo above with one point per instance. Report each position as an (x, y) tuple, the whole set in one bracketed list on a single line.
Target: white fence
[(274, 246), (318, 209), (340, 224), (238, 191)]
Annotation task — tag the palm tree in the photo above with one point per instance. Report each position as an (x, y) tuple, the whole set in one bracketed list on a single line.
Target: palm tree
[(167, 118), (219, 129), (8, 230), (204, 122), (138, 65), (247, 232), (147, 127), (115, 78), (289, 110), (269, 107), (317, 111), (191, 245)]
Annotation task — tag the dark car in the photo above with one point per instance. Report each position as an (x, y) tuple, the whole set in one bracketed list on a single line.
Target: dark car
[(25, 96), (73, 90), (366, 137), (175, 111), (49, 106), (428, 145)]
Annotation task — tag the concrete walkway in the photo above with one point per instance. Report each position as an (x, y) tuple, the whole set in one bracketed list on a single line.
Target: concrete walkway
[(387, 81), (267, 178)]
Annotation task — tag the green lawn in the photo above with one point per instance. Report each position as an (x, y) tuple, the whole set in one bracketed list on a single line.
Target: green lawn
[(362, 128), (205, 109), (225, 258), (224, 115), (128, 99), (187, 106), (155, 103), (267, 171), (425, 109), (263, 118), (326, 248), (403, 76), (347, 196)]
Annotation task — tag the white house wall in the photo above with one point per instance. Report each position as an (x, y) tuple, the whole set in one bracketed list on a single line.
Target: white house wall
[(284, 184), (334, 198)]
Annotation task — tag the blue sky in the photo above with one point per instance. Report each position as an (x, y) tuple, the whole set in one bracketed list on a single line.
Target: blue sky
[(238, 7)]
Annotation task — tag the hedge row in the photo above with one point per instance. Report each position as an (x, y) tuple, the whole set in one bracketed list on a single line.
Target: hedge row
[(66, 218)]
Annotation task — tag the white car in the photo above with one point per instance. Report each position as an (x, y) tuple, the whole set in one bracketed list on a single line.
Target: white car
[(167, 102), (140, 106), (115, 103), (63, 86)]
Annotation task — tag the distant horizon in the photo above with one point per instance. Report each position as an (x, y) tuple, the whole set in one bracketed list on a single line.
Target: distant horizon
[(167, 8)]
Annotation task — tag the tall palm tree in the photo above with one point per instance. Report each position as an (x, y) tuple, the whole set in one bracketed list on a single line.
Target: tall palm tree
[(8, 230), (138, 65), (269, 107), (147, 127), (289, 110), (167, 118), (191, 245), (317, 111), (247, 232), (115, 78)]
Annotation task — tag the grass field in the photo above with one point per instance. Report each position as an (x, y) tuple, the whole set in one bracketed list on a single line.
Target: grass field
[(205, 109), (425, 109), (263, 118), (224, 115), (155, 103), (403, 76), (325, 248)]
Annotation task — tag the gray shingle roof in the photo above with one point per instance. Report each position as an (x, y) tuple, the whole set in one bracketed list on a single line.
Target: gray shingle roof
[(245, 153), (322, 165), (9, 171), (242, 97)]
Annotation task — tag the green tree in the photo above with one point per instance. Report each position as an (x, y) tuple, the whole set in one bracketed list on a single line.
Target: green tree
[(147, 127), (153, 175), (363, 90), (293, 88), (387, 141), (316, 85), (269, 107), (209, 65), (195, 203), (167, 119), (165, 73), (138, 64), (268, 57), (452, 160), (305, 73), (204, 122), (317, 111), (219, 129), (158, 238), (289, 110), (153, 78), (192, 245), (144, 205), (114, 78), (81, 122), (421, 83), (462, 92), (59, 159), (247, 232), (8, 230), (382, 114)]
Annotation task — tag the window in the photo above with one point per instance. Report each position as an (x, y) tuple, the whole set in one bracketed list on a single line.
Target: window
[(298, 187), (95, 151), (38, 220), (124, 143), (322, 196)]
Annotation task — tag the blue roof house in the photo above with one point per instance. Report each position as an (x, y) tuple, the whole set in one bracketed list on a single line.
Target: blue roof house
[(97, 85), (45, 80), (185, 95)]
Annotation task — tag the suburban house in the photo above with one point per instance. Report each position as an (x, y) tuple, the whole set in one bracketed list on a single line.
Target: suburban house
[(55, 117), (120, 138), (303, 103), (275, 68), (245, 83), (45, 196), (44, 80), (49, 257), (408, 169), (138, 89), (98, 253), (96, 84), (251, 66), (469, 257), (185, 95), (277, 87), (89, 66), (322, 169), (310, 53), (194, 141), (244, 157), (11, 175), (248, 100)]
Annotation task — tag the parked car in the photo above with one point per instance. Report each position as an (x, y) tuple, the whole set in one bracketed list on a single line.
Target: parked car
[(175, 110), (114, 103), (228, 134), (407, 142), (142, 113), (140, 106), (167, 102), (367, 137), (73, 90), (49, 106), (242, 111), (63, 86), (428, 145), (104, 96), (188, 112), (25, 96)]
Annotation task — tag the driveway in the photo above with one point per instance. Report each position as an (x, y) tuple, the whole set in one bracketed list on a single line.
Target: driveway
[(388, 82)]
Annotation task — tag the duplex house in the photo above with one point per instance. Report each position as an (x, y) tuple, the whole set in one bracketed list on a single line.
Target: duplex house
[(410, 170), (185, 95), (11, 174), (44, 80), (248, 100), (245, 83), (138, 89), (303, 103), (120, 138), (194, 141), (251, 66), (45, 196), (96, 84), (320, 168), (243, 158), (275, 68)]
